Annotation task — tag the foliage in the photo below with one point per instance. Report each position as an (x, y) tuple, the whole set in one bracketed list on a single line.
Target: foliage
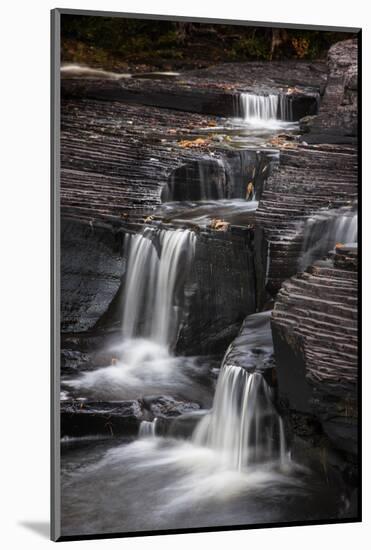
[(255, 47), (109, 40)]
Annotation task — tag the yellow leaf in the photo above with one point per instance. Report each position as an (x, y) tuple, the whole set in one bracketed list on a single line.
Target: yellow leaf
[(249, 190), (199, 142), (219, 225)]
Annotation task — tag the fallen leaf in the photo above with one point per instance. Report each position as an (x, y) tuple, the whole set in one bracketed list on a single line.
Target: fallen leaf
[(219, 225), (249, 190), (198, 142), (293, 90)]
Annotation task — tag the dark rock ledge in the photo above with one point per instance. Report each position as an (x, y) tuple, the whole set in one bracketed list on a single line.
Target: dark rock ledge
[(210, 91), (79, 418), (118, 418)]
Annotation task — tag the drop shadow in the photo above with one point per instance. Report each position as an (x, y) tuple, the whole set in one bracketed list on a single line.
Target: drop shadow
[(41, 528)]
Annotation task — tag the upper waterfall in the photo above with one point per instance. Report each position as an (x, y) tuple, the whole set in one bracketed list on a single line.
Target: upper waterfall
[(264, 108)]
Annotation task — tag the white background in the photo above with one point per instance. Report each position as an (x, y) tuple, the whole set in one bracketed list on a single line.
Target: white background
[(24, 200)]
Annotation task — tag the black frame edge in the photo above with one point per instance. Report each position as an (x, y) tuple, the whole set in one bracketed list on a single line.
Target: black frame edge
[(157, 17), (55, 526)]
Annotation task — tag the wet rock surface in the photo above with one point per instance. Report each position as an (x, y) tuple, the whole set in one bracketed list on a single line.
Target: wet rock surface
[(92, 265), (213, 90), (72, 360), (252, 349), (220, 291), (117, 159), (167, 407), (81, 418)]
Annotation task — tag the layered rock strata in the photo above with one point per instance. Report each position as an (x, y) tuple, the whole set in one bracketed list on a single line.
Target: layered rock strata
[(116, 159), (315, 335), (309, 178)]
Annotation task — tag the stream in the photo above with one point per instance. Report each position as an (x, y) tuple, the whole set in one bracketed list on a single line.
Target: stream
[(225, 459)]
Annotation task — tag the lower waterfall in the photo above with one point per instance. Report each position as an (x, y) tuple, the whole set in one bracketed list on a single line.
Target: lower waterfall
[(148, 428), (243, 425)]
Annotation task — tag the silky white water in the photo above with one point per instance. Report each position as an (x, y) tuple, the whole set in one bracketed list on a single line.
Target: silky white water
[(159, 261), (235, 211), (147, 428), (243, 426), (264, 110), (76, 70)]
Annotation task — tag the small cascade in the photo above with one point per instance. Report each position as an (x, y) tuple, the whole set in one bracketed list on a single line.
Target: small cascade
[(196, 181), (243, 425), (147, 428), (264, 108), (285, 111), (158, 264), (326, 229)]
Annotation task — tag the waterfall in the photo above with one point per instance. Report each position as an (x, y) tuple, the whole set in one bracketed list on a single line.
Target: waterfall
[(254, 108), (158, 265), (324, 230), (243, 426), (285, 108), (159, 261), (196, 181), (148, 429)]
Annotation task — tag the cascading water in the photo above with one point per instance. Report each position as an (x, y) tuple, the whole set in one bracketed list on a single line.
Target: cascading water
[(147, 428), (326, 229), (243, 426), (234, 467), (158, 263), (264, 108), (196, 181)]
